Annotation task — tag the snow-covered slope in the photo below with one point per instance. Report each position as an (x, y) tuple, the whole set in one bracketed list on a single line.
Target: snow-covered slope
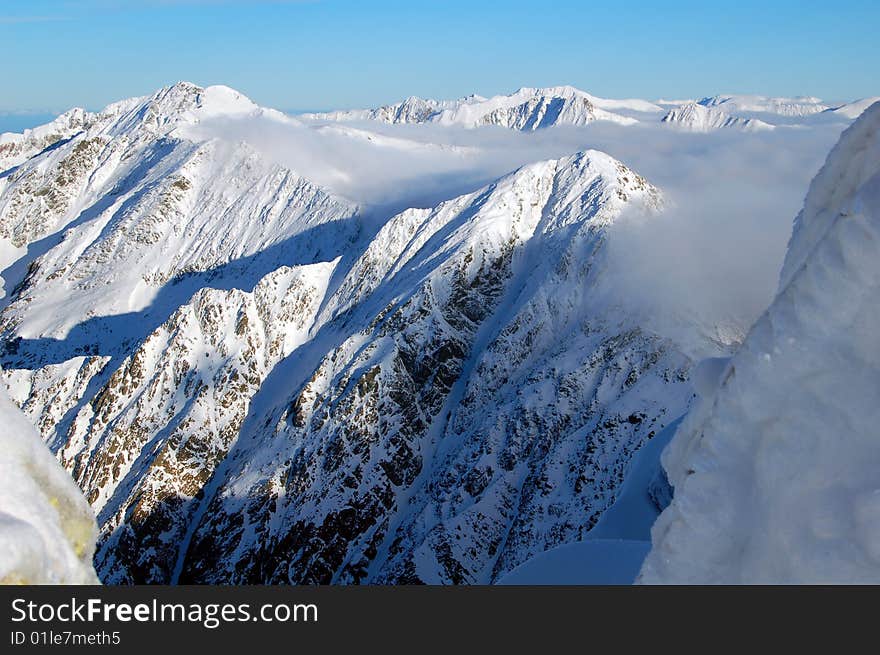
[(775, 472), (697, 118), (853, 110), (592, 562), (168, 107), (754, 104), (445, 429), (16, 148), (254, 380), (531, 109), (47, 531), (129, 218), (249, 388), (526, 109)]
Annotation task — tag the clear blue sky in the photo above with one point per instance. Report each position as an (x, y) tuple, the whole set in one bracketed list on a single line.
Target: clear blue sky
[(343, 53)]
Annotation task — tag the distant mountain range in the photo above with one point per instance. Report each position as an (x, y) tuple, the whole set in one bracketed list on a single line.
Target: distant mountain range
[(534, 108)]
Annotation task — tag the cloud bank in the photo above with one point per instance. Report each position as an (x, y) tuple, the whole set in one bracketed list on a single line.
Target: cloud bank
[(709, 262)]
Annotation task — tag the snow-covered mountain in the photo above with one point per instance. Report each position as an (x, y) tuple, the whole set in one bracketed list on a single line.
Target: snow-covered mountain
[(248, 387), (47, 530), (459, 430), (775, 470), (16, 148), (529, 109), (698, 118), (253, 379), (532, 108), (159, 113), (128, 216), (853, 110), (526, 109), (754, 104)]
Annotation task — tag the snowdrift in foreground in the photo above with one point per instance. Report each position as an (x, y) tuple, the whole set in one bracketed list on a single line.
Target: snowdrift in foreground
[(775, 473), (47, 530)]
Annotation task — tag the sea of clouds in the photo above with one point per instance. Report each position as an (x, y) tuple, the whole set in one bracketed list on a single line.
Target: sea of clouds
[(711, 259)]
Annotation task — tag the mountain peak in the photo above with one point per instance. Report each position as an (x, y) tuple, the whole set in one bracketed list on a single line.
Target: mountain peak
[(701, 118), (185, 100), (170, 106)]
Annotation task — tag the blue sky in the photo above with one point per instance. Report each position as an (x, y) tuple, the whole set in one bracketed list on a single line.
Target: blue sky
[(340, 53)]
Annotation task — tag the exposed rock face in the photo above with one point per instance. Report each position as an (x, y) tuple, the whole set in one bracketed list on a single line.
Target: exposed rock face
[(152, 435), (461, 431)]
